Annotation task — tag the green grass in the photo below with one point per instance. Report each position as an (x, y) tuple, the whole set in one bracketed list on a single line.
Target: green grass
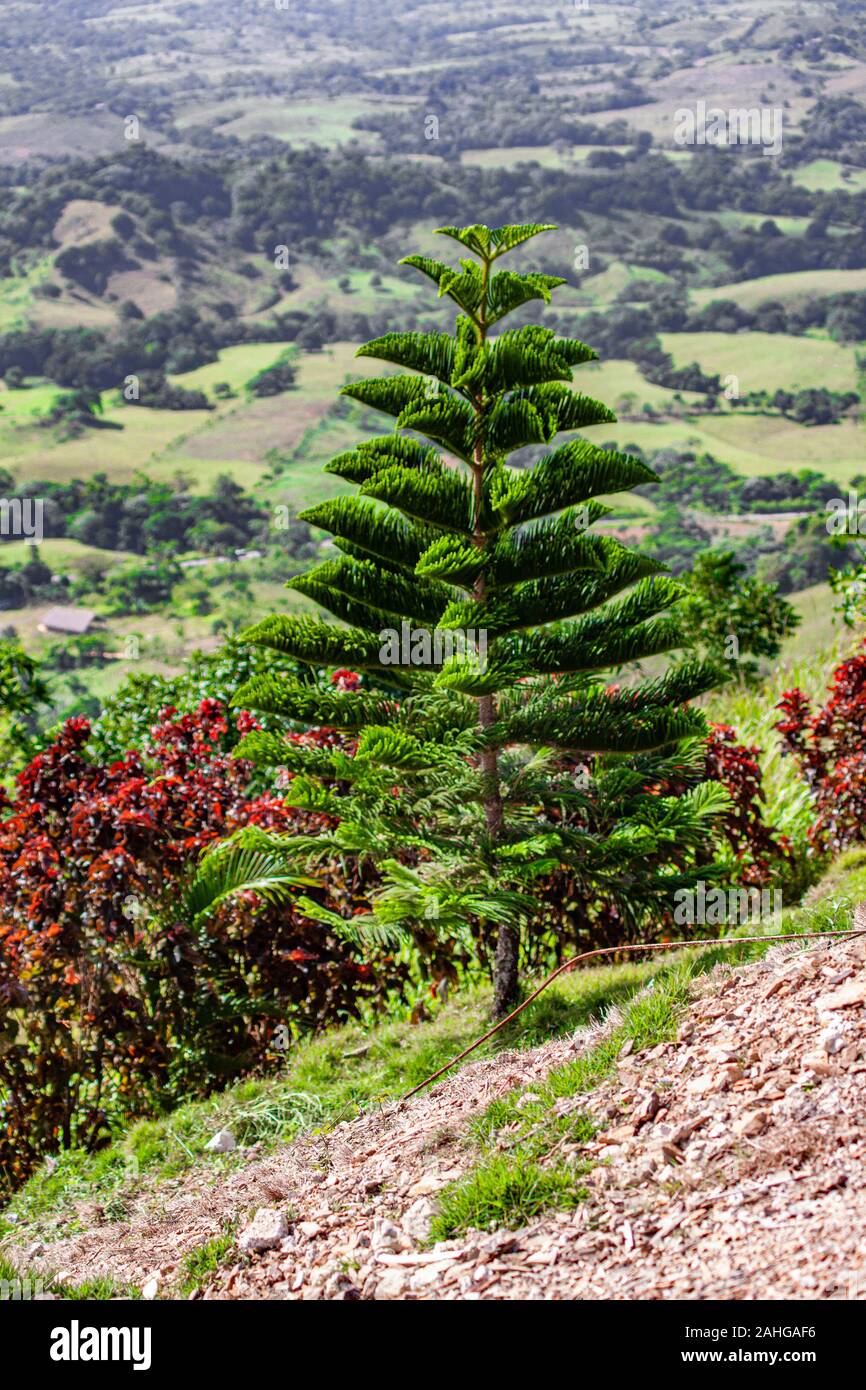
[(608, 284), (789, 286), (62, 554), (16, 294), (733, 217), (828, 176), (99, 1289), (754, 445), (767, 361), (235, 365), (505, 1191), (327, 122), (199, 1264)]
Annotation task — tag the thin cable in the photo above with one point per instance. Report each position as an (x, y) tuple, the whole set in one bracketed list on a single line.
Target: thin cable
[(611, 950)]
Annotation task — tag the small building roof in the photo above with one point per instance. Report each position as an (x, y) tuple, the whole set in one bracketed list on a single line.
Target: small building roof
[(74, 620)]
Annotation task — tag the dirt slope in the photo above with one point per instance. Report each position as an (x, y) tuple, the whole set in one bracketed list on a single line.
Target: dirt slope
[(731, 1164)]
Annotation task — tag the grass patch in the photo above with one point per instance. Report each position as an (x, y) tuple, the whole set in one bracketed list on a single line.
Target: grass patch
[(504, 1191), (200, 1264), (16, 1287)]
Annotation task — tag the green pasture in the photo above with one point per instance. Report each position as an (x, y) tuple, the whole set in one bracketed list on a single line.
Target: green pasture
[(767, 361)]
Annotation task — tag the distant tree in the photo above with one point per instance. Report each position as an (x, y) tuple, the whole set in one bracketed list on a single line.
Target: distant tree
[(733, 618), (273, 380)]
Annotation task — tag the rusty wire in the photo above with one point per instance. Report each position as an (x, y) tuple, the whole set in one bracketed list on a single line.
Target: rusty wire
[(612, 950)]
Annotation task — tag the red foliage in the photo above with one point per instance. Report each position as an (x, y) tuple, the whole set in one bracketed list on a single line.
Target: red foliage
[(107, 999), (736, 766), (829, 746), (346, 680)]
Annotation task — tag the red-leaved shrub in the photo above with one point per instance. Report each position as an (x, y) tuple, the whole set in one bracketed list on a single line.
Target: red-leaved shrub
[(110, 1003), (829, 746), (757, 846)]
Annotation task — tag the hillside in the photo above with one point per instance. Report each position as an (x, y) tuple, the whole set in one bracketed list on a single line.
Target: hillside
[(696, 1136)]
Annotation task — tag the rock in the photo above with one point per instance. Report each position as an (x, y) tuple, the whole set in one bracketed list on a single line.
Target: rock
[(683, 1132), (817, 1062), (310, 1229), (429, 1275), (386, 1236), (709, 1081), (750, 1125), (417, 1220), (648, 1109), (222, 1142), (340, 1286), (267, 1228), (849, 996), (528, 1098), (617, 1135), (150, 1289), (393, 1283), (730, 1073), (431, 1182), (832, 1041)]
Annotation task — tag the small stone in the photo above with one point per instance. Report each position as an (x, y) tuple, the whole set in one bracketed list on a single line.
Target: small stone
[(648, 1109), (618, 1135), (428, 1276), (849, 996), (528, 1098), (310, 1229), (150, 1289), (751, 1125), (818, 1063), (429, 1183), (719, 1080), (418, 1219), (392, 1284), (267, 1228), (222, 1142), (386, 1235), (338, 1285)]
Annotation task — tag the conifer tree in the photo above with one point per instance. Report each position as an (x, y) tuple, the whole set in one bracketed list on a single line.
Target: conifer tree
[(484, 610)]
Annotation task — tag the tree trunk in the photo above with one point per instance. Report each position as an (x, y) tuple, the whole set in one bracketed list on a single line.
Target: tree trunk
[(508, 941), (505, 972)]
